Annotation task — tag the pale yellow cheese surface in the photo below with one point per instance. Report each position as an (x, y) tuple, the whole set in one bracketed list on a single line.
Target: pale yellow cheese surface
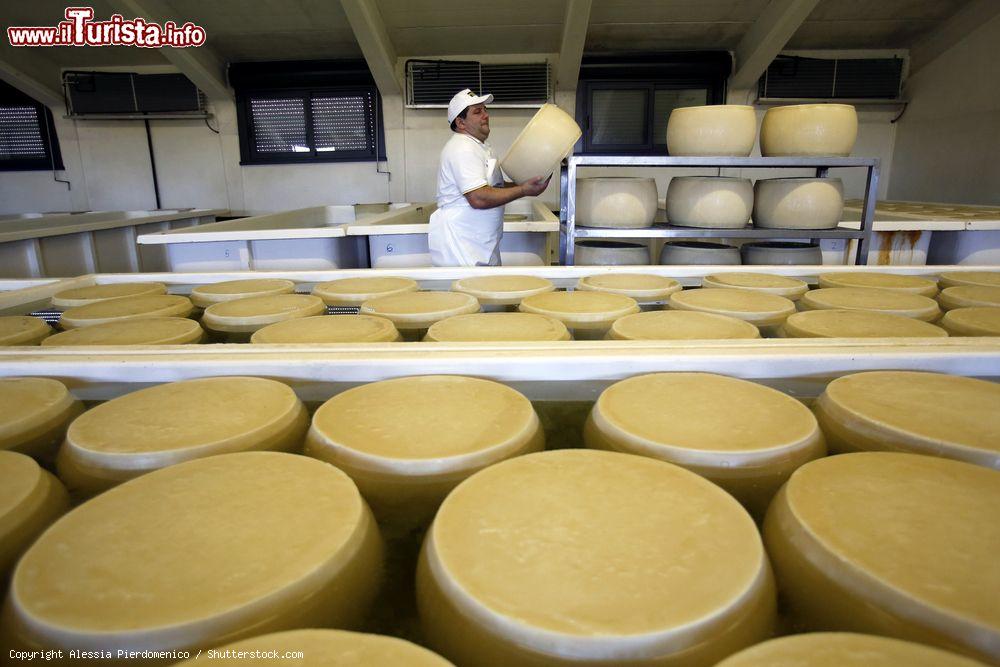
[(790, 288), (969, 296), (857, 324), (864, 298), (681, 325), (497, 327), (636, 285), (983, 278), (30, 499), (981, 321), (23, 330), (246, 315), (205, 295), (32, 408), (81, 296), (19, 477), (124, 308), (844, 649), (418, 310), (145, 331), (756, 307), (502, 290), (329, 329), (355, 291), (890, 281), (581, 309)]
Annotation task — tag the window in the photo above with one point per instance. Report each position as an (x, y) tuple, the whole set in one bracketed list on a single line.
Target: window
[(28, 139)]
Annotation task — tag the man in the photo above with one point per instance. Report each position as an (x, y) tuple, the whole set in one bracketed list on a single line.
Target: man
[(466, 228)]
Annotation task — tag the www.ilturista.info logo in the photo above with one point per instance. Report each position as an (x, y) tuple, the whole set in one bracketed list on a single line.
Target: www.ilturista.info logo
[(80, 29)]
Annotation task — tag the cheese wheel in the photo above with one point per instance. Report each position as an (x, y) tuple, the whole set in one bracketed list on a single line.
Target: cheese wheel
[(163, 425), (30, 500), (249, 315), (983, 321), (889, 281), (81, 296), (969, 296), (857, 324), (717, 202), (981, 278), (698, 252), (145, 331), (329, 329), (725, 130), (596, 252), (790, 288), (355, 291), (497, 327), (419, 310), (639, 286), (200, 554), (126, 308), (581, 309), (23, 330), (34, 414), (787, 253), (576, 557), (758, 308), (543, 143), (502, 290), (891, 302), (322, 647), (749, 448), (204, 296), (819, 130), (407, 442), (680, 325), (798, 203), (924, 413), (844, 649), (891, 544), (617, 202)]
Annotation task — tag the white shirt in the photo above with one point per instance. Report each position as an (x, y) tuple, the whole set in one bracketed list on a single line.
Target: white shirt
[(459, 234)]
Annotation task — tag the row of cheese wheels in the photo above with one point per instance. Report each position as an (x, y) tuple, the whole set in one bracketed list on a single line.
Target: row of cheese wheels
[(609, 555)]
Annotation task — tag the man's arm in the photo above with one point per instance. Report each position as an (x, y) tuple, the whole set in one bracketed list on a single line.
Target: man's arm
[(490, 197)]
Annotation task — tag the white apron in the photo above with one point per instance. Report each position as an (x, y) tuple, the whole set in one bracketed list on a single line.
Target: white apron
[(464, 236)]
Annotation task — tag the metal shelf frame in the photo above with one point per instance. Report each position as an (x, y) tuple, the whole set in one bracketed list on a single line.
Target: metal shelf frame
[(569, 231)]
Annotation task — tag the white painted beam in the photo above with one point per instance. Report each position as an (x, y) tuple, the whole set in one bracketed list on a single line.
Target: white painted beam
[(766, 37), (373, 38), (200, 64), (574, 37), (27, 69), (973, 15)]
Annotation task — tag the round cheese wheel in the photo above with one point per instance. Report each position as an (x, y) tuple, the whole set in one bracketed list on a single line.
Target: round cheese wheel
[(617, 202), (983, 321), (355, 291), (892, 302), (581, 309), (34, 414), (126, 308), (30, 500), (419, 310), (844, 649), (249, 315), (502, 290), (924, 413), (322, 647), (407, 442), (204, 296), (329, 329), (798, 203), (787, 253), (680, 325), (200, 554), (23, 330), (576, 557), (81, 296), (820, 130), (611, 253), (889, 281), (497, 327), (717, 202), (969, 296), (757, 308), (163, 425), (749, 448), (891, 544), (698, 252), (145, 331), (639, 286), (981, 278), (857, 324), (537, 151), (725, 130), (790, 288)]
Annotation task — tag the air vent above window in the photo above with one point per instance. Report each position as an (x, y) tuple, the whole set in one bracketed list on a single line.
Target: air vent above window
[(832, 79), (432, 83), (129, 93)]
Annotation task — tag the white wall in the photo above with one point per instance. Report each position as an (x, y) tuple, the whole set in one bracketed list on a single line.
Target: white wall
[(948, 141)]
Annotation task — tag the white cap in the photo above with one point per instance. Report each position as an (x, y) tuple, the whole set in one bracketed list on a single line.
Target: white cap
[(464, 100)]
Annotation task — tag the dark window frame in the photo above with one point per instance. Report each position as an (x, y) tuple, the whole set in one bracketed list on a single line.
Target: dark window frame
[(52, 161)]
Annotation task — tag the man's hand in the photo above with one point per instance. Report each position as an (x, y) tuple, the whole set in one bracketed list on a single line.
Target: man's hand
[(535, 186), (490, 197)]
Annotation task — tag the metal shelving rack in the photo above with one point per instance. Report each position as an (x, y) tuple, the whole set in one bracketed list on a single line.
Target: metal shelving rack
[(569, 232)]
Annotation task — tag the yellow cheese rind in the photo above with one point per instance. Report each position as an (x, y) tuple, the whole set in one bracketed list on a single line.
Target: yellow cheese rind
[(497, 327), (419, 310), (81, 296), (581, 309), (144, 331), (754, 307), (924, 413), (871, 542), (253, 313), (126, 308), (164, 425), (790, 288), (857, 324), (639, 286), (200, 554), (502, 290), (844, 649), (680, 325), (355, 291), (328, 329), (23, 330), (982, 278), (34, 415), (204, 296), (889, 281), (865, 298), (982, 321), (571, 556), (826, 130), (969, 296)]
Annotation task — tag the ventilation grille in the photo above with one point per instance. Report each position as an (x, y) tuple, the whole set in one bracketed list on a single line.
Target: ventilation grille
[(129, 93), (20, 133), (432, 83), (813, 78)]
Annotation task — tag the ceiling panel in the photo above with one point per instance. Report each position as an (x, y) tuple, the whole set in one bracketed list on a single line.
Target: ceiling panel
[(470, 41), (675, 11), (226, 17), (859, 34), (900, 10), (434, 13), (291, 45), (621, 38)]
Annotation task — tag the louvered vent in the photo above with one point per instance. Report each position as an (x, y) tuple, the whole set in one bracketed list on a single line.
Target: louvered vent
[(20, 136), (130, 93), (432, 83), (828, 79)]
